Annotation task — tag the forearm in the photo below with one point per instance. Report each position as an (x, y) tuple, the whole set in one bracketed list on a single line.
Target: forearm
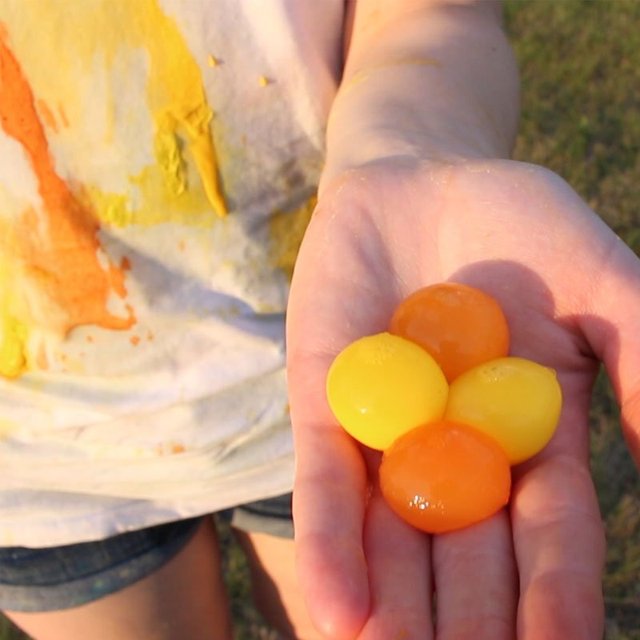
[(426, 79)]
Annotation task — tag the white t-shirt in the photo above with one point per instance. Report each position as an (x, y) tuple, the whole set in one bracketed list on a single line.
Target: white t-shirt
[(158, 164)]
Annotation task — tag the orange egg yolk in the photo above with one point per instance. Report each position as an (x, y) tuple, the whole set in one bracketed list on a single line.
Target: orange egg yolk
[(445, 476), (460, 326)]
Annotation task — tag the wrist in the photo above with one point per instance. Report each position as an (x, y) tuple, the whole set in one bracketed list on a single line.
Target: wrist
[(438, 84), (372, 120)]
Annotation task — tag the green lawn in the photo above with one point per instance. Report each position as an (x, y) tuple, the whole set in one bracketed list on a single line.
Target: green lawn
[(580, 67)]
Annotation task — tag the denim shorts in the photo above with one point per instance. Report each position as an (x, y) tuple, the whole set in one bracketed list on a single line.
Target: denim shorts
[(55, 578)]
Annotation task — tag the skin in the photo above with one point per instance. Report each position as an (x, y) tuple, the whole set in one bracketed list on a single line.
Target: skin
[(423, 197)]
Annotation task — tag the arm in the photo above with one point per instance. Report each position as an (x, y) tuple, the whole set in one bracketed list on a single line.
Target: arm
[(417, 190), (429, 80)]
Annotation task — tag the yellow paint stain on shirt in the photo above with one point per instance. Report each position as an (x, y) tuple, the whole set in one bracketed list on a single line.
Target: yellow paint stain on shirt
[(6, 428), (286, 230), (53, 272), (55, 250), (177, 100), (12, 346), (92, 35), (46, 115), (13, 332), (156, 203)]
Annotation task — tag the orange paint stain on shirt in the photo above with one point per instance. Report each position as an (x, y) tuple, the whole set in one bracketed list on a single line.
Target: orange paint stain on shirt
[(47, 115), (63, 116), (58, 247)]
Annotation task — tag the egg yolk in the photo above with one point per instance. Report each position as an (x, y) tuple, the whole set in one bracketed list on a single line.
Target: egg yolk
[(381, 386), (513, 400), (444, 476), (451, 411), (460, 326)]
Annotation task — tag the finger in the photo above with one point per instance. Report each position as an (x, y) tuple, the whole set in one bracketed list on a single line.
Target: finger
[(329, 498), (399, 577), (612, 328), (476, 581), (326, 311), (559, 537), (560, 550)]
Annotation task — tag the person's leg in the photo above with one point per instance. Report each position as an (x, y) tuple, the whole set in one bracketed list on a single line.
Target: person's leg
[(185, 598), (264, 529), (275, 586)]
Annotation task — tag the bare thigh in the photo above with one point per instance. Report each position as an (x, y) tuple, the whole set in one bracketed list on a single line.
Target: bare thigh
[(183, 599), (275, 584)]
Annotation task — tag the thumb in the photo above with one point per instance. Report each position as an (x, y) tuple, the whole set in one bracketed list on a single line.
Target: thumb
[(613, 331)]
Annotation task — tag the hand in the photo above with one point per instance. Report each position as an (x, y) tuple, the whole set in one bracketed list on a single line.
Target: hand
[(571, 292)]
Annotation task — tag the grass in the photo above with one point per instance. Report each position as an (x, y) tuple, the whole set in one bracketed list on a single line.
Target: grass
[(581, 77), (580, 68)]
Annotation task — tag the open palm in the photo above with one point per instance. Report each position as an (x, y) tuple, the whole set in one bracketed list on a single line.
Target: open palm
[(570, 290)]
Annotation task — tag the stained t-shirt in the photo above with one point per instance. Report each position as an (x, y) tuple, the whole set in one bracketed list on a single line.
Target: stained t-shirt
[(158, 163)]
